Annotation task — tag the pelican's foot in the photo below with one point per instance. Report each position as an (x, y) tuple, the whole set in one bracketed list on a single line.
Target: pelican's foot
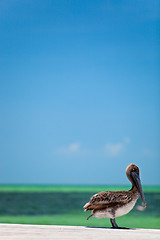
[(113, 222)]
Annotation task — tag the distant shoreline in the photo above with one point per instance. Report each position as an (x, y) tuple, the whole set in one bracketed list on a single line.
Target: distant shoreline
[(69, 188)]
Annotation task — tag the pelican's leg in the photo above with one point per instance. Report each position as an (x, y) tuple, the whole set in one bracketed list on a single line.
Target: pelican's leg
[(90, 216), (113, 222)]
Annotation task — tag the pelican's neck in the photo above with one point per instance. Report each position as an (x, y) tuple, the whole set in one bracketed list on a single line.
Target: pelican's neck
[(134, 188)]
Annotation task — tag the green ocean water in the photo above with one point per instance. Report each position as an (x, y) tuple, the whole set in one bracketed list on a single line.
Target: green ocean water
[(63, 205)]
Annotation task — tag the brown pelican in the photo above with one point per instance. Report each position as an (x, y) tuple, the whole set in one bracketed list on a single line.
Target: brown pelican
[(112, 204)]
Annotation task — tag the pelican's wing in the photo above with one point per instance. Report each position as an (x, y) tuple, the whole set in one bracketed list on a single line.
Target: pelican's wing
[(106, 199)]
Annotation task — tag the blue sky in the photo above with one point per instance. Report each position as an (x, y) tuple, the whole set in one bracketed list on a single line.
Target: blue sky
[(79, 91)]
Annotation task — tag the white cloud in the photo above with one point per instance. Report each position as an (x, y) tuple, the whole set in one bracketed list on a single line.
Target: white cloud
[(148, 152), (74, 147), (70, 149), (110, 149), (115, 149), (127, 140)]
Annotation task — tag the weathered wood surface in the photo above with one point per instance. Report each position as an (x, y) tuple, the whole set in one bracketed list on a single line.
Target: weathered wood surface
[(27, 232)]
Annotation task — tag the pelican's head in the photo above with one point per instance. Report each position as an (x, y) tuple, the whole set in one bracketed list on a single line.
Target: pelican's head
[(132, 172)]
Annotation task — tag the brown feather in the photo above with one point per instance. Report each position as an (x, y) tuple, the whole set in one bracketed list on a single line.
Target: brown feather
[(108, 199)]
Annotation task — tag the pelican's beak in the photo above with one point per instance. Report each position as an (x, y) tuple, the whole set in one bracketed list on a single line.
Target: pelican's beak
[(137, 182)]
